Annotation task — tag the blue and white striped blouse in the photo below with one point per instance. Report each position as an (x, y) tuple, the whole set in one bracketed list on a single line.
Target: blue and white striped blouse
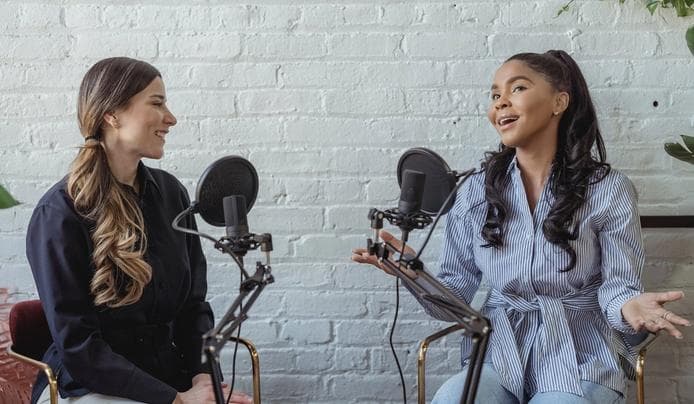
[(552, 329)]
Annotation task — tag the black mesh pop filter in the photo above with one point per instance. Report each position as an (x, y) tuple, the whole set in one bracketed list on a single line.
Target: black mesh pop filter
[(440, 180), (230, 175)]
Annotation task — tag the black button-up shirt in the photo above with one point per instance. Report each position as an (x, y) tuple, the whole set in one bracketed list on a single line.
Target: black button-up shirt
[(146, 351)]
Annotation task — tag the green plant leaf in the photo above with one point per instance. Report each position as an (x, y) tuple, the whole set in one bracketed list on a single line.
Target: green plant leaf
[(652, 6), (6, 200), (564, 8), (677, 151), (681, 8), (690, 39), (688, 142)]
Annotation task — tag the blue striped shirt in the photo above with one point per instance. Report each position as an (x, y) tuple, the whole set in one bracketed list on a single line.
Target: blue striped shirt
[(552, 329)]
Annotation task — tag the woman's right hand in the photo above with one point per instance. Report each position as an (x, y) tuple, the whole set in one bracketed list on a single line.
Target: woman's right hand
[(203, 393), (362, 256)]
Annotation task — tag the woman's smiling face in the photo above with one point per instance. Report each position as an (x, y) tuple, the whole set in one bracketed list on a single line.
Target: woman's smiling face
[(525, 109)]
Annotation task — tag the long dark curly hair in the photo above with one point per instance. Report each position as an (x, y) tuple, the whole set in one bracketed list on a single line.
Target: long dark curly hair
[(574, 167)]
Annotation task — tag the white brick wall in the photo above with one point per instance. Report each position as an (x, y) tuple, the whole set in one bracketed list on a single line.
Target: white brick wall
[(323, 97)]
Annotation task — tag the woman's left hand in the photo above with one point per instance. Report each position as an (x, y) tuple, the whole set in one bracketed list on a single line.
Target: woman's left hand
[(646, 312)]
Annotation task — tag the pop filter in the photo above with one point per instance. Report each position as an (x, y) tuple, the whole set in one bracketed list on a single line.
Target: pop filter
[(230, 175), (440, 179)]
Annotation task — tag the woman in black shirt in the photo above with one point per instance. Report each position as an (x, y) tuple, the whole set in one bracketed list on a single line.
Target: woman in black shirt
[(123, 293)]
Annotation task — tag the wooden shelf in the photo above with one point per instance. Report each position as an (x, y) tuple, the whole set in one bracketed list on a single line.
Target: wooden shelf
[(650, 222)]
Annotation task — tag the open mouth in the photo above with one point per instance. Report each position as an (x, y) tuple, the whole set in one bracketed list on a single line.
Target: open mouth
[(161, 134), (507, 120)]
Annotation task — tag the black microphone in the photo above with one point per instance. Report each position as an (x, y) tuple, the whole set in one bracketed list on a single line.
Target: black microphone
[(235, 218), (411, 194)]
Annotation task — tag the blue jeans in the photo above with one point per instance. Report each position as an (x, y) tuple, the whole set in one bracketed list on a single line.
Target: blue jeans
[(491, 391)]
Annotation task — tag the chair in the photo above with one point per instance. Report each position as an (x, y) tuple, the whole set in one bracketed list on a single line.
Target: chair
[(255, 366), (31, 338), (424, 346)]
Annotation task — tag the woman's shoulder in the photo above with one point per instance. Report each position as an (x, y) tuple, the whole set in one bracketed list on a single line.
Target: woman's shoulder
[(57, 198), (56, 210), (610, 182), (164, 180), (470, 194)]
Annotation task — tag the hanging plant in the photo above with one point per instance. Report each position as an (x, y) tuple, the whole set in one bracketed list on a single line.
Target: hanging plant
[(683, 7)]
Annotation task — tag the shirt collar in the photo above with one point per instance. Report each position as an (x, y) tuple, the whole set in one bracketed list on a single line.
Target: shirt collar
[(513, 165), (144, 174)]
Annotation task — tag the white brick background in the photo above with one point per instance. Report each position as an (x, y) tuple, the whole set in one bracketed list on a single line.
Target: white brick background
[(323, 98)]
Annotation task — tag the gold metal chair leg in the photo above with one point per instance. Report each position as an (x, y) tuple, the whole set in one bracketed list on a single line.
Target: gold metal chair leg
[(52, 381), (255, 365), (421, 360), (640, 364)]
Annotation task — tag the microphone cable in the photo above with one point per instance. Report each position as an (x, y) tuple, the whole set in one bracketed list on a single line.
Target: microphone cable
[(236, 348), (466, 175), (392, 330)]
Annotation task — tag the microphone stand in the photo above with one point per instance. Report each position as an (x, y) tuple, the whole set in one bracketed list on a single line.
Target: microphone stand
[(249, 290), (411, 271)]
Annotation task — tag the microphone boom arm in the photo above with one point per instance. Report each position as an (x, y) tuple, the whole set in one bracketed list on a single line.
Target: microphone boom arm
[(427, 288), (250, 288), (474, 325), (215, 339)]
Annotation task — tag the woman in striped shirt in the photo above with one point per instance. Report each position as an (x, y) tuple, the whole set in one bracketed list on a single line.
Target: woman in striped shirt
[(555, 232)]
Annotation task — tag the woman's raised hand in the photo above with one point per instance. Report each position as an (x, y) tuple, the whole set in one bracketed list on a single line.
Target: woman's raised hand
[(646, 312), (362, 256)]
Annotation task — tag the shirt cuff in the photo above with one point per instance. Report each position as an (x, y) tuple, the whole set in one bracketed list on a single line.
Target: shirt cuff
[(614, 313)]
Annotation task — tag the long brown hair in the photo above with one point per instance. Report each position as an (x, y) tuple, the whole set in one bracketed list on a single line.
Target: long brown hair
[(119, 237)]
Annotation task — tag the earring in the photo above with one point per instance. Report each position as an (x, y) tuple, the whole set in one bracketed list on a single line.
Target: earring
[(555, 113)]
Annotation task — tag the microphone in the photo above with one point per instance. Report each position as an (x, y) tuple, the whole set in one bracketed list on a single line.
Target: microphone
[(235, 218), (411, 193)]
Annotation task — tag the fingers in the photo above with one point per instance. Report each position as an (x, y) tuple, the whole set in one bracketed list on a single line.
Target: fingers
[(362, 256), (661, 324), (241, 398), (675, 319), (395, 242), (666, 321), (671, 296), (391, 239)]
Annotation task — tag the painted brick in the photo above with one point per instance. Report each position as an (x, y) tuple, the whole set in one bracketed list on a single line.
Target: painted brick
[(323, 98)]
